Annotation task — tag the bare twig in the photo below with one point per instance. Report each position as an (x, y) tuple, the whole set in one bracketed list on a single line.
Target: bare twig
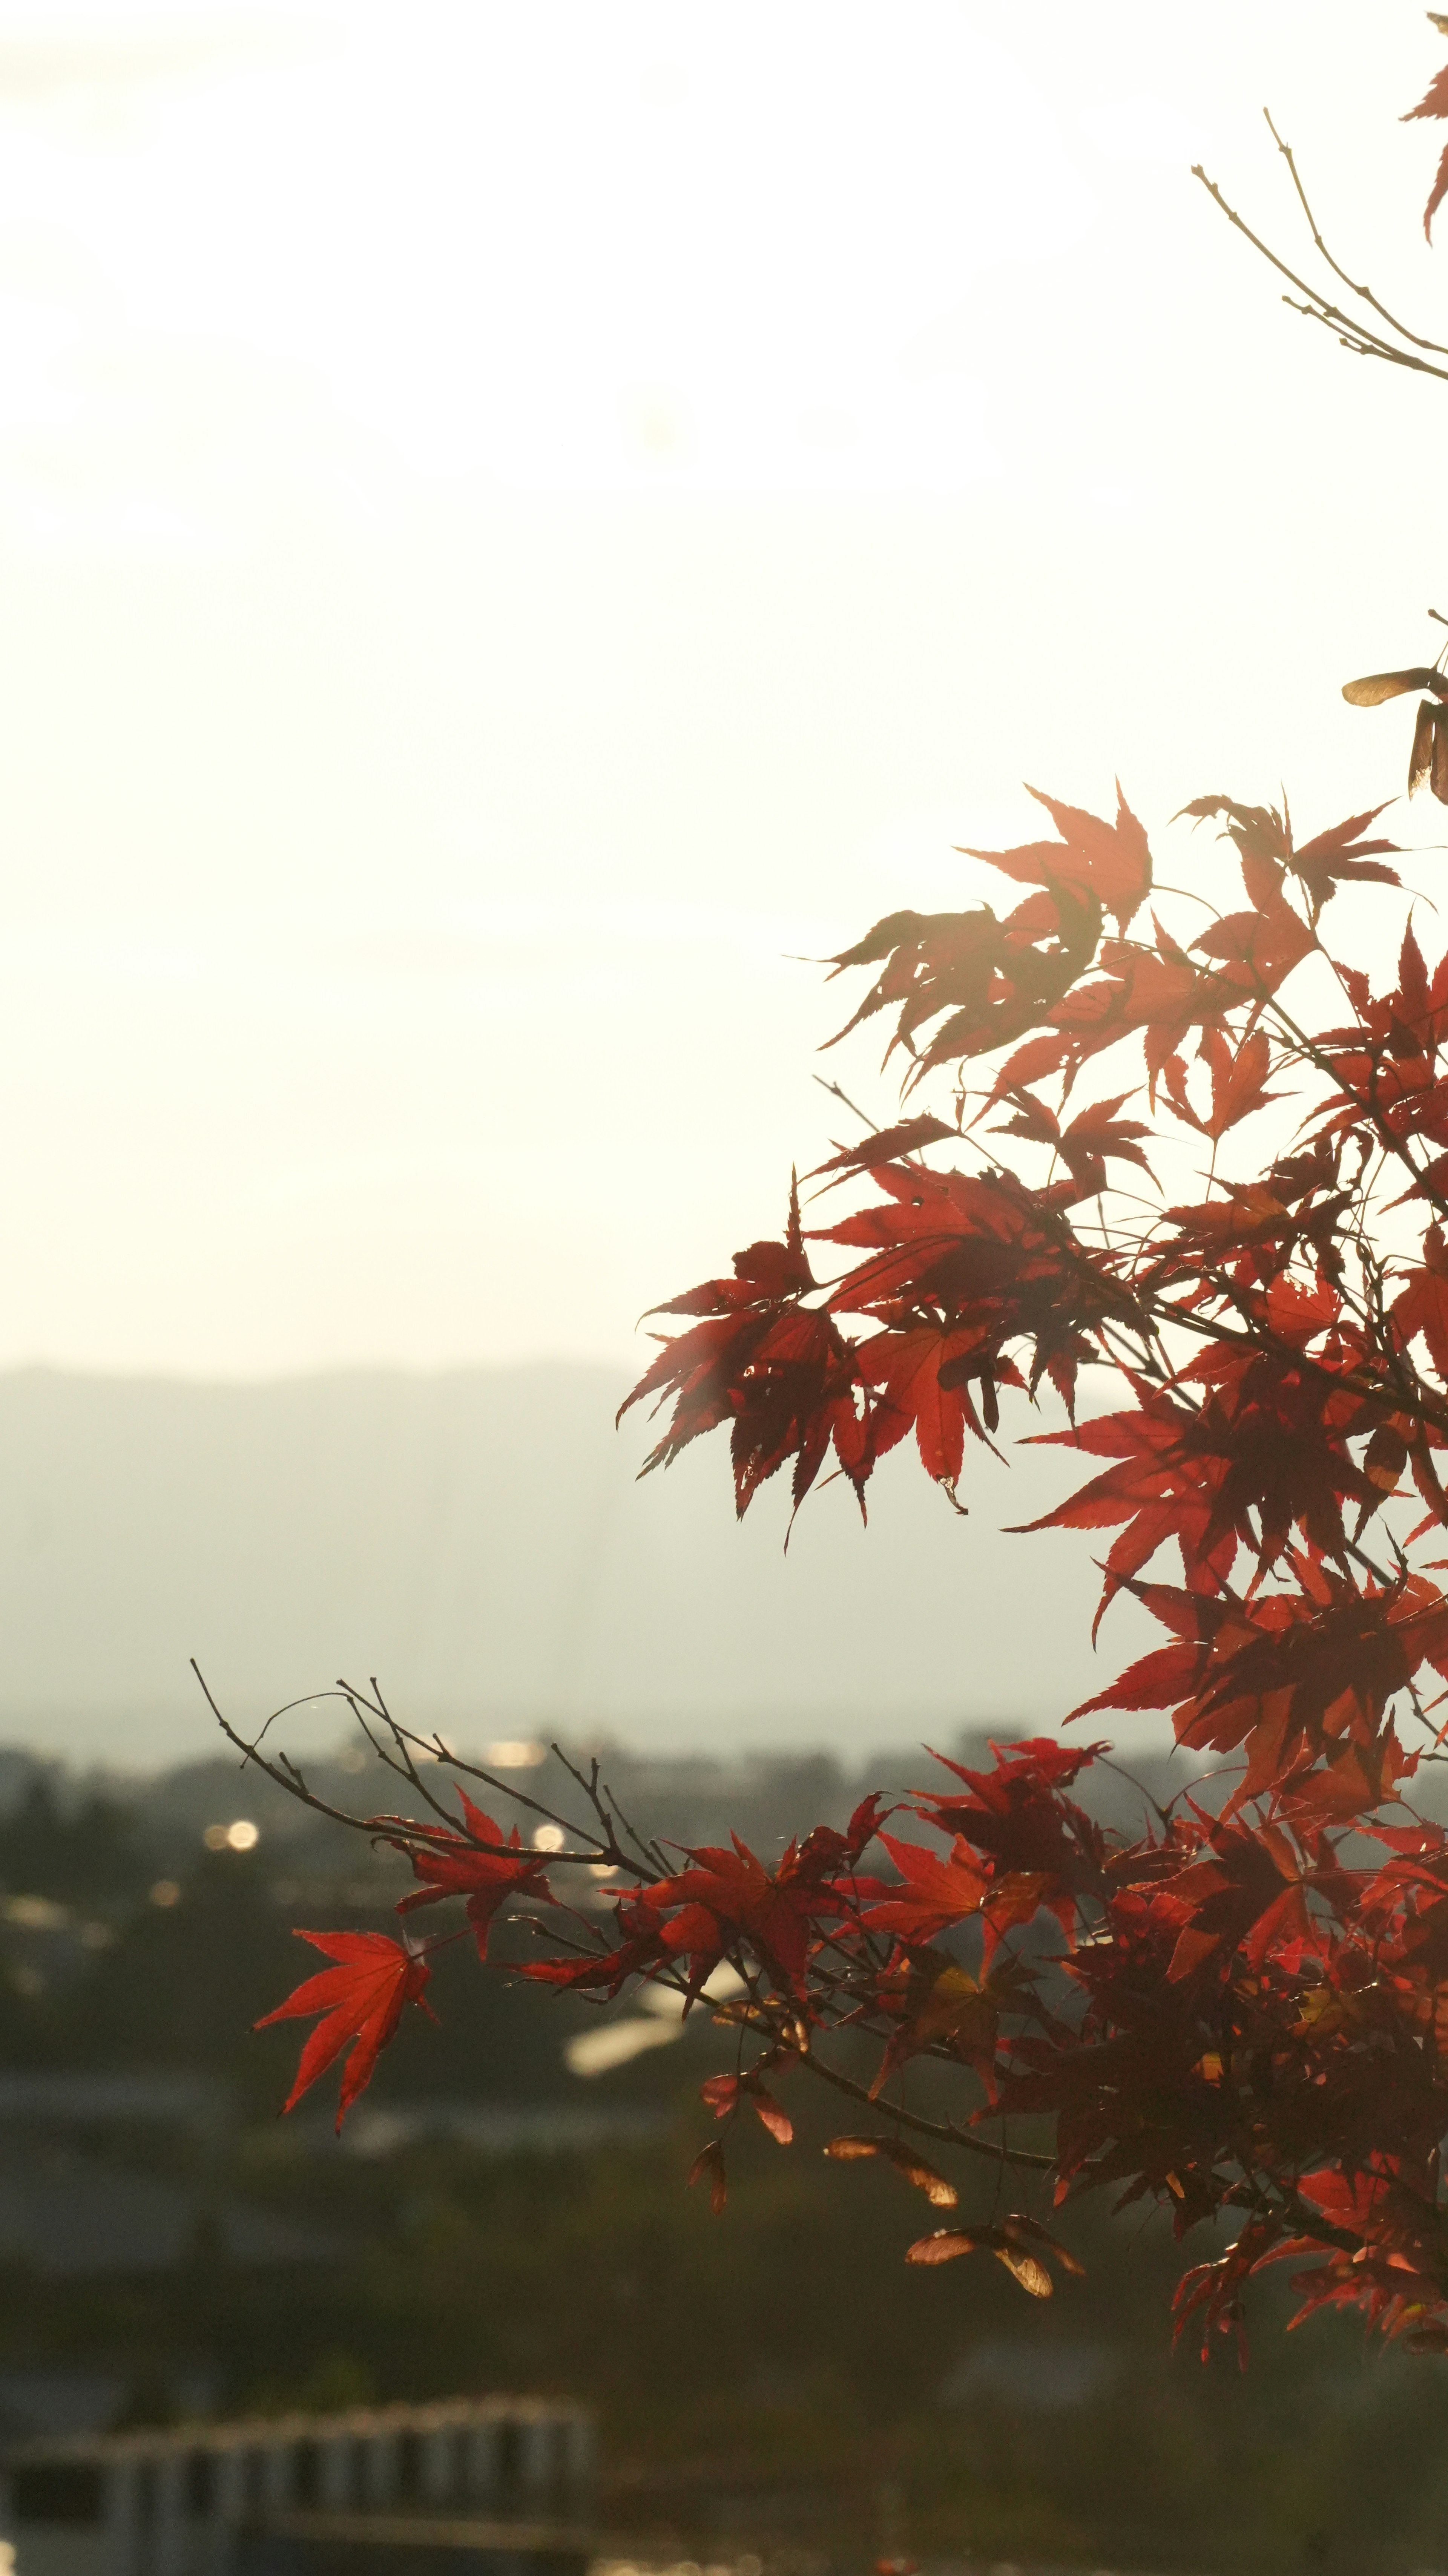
[(1363, 292), (1353, 334), (944, 2133)]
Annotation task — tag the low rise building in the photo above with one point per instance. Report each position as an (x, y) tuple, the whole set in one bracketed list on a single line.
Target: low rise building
[(492, 2486)]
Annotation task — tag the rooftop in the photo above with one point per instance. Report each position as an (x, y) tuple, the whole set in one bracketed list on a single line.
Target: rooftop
[(358, 2423)]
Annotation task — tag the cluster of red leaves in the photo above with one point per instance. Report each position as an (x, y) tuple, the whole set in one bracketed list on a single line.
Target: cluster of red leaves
[(1241, 2015), (1232, 2014), (362, 1999)]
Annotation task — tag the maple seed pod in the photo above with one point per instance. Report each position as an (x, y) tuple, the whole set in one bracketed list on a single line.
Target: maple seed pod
[(1441, 753), (1379, 686), (770, 2115), (1420, 758), (1031, 2274), (710, 2161), (948, 2242), (912, 2168), (944, 2244)]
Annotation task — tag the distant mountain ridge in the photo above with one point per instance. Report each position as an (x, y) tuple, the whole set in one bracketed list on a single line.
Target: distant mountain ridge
[(477, 1538)]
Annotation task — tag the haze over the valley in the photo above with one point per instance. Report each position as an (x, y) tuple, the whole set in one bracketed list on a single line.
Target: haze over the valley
[(476, 1538), (517, 527)]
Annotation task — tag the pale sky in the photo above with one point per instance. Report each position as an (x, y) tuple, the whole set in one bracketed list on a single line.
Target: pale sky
[(517, 522)]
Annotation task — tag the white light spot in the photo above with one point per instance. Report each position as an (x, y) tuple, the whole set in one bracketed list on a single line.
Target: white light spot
[(242, 1835), (36, 1913), (597, 2052), (515, 1753), (664, 2002), (548, 1838)]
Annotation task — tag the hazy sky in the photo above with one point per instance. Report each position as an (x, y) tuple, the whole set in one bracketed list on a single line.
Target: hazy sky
[(517, 521)]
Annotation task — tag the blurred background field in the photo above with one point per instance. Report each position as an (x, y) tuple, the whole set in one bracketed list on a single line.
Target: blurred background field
[(773, 2382)]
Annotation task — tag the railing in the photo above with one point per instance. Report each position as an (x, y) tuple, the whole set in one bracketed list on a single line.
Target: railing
[(289, 2494)]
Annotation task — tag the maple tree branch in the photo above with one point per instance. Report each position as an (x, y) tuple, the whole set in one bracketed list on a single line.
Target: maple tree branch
[(404, 1833), (1353, 334), (1289, 2205), (855, 1111), (287, 1777), (943, 2133), (1365, 293), (1309, 1051), (1356, 345), (607, 1808), (401, 1761), (1214, 1329), (1142, 1792), (607, 1850)]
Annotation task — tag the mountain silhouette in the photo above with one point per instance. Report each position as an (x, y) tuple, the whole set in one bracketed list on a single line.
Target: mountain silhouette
[(477, 1538)]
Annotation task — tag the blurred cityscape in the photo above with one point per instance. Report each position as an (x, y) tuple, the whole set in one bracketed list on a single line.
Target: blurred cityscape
[(772, 2383)]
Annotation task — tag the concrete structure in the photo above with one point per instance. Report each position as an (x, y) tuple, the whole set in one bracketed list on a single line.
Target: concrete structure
[(492, 2486)]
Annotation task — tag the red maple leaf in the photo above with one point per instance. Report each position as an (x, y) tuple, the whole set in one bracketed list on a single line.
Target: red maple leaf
[(923, 1374), (483, 1864), (1018, 1817), (887, 1145), (1422, 1305), (780, 1374), (1434, 102), (1264, 841), (994, 978), (1083, 1146), (996, 1262), (1105, 864), (727, 1900), (1164, 1488), (1264, 1454), (1238, 1078), (1284, 1675), (361, 2001), (728, 1897), (938, 1890), (1156, 991), (1342, 857)]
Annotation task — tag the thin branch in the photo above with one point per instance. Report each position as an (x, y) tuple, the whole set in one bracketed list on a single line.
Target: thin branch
[(1354, 334), (1364, 293), (943, 2133), (855, 1111), (397, 1832), (287, 1778), (605, 1804)]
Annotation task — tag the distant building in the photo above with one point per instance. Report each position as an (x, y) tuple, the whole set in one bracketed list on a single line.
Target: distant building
[(493, 2486)]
